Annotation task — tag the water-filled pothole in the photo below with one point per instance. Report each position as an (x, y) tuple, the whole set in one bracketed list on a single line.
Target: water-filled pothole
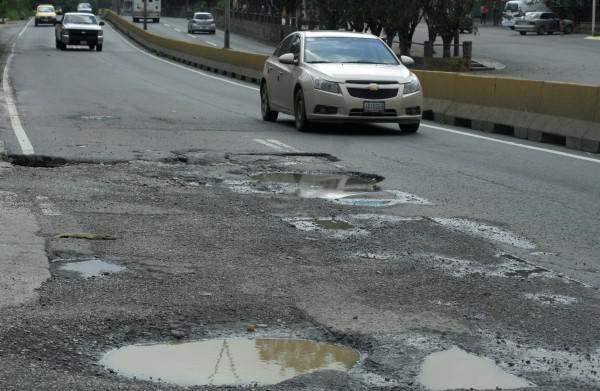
[(92, 268), (230, 361), (456, 369), (345, 189)]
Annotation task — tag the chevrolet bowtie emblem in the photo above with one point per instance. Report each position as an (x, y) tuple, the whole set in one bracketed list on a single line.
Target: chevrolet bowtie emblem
[(373, 87)]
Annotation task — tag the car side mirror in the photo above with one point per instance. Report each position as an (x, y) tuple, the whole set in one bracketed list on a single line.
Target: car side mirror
[(101, 23), (406, 60), (288, 59)]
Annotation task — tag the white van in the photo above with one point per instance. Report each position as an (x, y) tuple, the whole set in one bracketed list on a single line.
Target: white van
[(153, 11), (516, 9)]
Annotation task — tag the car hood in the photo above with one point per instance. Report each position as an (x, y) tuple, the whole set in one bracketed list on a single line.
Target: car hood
[(90, 27), (362, 72)]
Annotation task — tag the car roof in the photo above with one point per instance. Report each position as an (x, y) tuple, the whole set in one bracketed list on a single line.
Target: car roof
[(202, 13), (45, 5), (79, 13), (337, 34)]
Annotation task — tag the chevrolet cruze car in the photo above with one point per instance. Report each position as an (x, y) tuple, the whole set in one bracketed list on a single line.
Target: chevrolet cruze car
[(340, 77)]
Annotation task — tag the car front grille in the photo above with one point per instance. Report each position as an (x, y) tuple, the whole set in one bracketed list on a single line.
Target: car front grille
[(82, 34), (364, 93), (361, 113)]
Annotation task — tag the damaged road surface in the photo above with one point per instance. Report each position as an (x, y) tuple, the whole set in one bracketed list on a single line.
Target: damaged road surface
[(156, 234), (204, 274)]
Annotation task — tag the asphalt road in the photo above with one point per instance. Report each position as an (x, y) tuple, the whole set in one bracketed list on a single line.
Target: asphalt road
[(188, 221)]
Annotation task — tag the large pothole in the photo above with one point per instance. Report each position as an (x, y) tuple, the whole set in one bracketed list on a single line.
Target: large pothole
[(229, 361)]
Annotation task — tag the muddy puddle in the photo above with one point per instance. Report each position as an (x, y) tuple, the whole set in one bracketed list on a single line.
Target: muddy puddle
[(230, 361), (350, 189), (92, 268), (456, 369)]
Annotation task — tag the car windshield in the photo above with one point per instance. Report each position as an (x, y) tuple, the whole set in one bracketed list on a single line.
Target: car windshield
[(80, 19), (203, 16), (46, 9), (347, 50), (533, 15)]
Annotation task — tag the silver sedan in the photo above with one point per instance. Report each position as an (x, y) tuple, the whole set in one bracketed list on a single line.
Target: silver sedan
[(340, 77)]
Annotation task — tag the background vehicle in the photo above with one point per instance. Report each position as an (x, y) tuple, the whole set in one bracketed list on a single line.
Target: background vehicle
[(339, 77), (80, 29), (202, 21), (153, 10), (515, 10), (45, 14), (85, 8), (543, 23)]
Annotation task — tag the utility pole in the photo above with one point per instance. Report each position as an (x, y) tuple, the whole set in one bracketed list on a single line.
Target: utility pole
[(145, 14), (226, 44), (594, 17)]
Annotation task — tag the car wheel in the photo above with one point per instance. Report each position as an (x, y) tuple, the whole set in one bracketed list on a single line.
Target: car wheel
[(135, 20), (302, 123), (512, 27), (99, 47), (36, 23), (549, 33), (62, 46), (265, 107), (57, 43), (409, 128), (568, 29), (541, 31), (522, 32), (156, 20), (92, 47)]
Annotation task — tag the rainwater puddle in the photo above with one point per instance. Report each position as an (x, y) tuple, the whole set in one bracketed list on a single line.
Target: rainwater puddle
[(333, 227), (456, 369), (485, 231), (233, 361), (352, 189), (92, 268)]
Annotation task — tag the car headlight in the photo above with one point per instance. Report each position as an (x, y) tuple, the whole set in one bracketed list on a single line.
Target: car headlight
[(412, 86), (327, 86)]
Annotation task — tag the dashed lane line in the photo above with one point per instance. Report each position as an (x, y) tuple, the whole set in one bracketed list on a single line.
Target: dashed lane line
[(276, 144), (268, 144), (11, 107), (282, 145)]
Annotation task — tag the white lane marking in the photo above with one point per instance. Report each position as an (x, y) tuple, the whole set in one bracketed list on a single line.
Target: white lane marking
[(168, 25), (11, 106), (210, 43), (282, 145), (268, 144), (192, 36), (208, 76), (176, 29), (47, 207), (514, 144)]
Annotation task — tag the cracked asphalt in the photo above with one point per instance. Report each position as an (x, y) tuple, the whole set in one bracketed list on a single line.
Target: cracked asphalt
[(490, 247)]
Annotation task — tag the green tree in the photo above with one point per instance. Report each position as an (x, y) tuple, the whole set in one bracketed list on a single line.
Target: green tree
[(446, 16)]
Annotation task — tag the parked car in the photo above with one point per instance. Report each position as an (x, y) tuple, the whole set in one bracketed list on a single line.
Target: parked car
[(45, 14), (82, 29), (202, 21), (543, 23), (85, 8), (340, 77), (515, 10)]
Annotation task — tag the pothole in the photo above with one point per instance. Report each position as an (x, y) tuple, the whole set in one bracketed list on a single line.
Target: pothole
[(456, 369), (345, 189), (230, 361), (92, 268)]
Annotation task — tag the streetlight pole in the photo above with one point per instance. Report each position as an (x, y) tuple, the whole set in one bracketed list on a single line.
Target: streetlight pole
[(594, 17), (226, 44), (145, 14)]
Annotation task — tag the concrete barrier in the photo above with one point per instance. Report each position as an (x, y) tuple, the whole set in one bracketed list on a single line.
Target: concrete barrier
[(553, 112), (561, 113), (234, 63)]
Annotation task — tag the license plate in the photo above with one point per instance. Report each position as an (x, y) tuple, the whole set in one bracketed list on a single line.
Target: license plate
[(374, 107)]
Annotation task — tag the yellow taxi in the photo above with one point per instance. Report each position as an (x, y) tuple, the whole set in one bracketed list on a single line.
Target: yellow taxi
[(45, 14)]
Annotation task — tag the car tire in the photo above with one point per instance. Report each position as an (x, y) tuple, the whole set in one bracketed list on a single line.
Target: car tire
[(541, 31), (36, 23), (568, 29), (99, 47), (57, 43), (136, 20), (156, 20), (302, 123), (512, 27), (265, 107), (522, 32), (92, 47), (409, 128)]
